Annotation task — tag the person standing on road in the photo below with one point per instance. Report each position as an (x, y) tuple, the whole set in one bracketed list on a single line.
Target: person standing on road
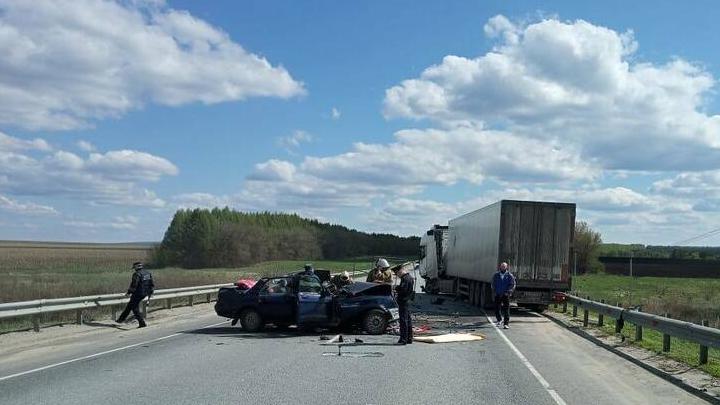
[(404, 293), (381, 273), (141, 286), (503, 285)]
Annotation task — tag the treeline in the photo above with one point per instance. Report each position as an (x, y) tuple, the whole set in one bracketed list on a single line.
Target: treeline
[(660, 252), (227, 238)]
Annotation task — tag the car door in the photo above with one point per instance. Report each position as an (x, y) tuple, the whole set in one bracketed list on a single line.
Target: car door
[(312, 302), (276, 300)]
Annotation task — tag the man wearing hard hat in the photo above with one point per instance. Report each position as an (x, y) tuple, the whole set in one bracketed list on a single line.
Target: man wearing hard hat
[(381, 273)]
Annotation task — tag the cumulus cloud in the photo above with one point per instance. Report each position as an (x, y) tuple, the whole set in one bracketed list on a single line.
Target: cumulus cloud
[(66, 64), (335, 113), (127, 222), (9, 143), (114, 177), (202, 200), (292, 142), (25, 208), (579, 84), (85, 146), (415, 160)]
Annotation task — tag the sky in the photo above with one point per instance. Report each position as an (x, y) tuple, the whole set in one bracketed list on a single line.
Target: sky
[(381, 116)]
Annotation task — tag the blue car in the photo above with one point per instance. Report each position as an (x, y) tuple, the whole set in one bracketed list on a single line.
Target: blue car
[(304, 300)]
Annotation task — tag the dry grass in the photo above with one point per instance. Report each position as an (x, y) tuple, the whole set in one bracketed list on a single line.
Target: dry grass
[(33, 271)]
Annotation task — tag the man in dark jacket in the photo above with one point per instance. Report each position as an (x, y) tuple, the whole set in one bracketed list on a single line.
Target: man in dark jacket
[(405, 292), (141, 286), (503, 285)]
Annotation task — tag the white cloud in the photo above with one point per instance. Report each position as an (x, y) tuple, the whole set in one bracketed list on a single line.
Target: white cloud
[(66, 64), (85, 146), (202, 200), (130, 165), (127, 222), (27, 208), (292, 142), (335, 113), (114, 177), (417, 158), (9, 143), (578, 84)]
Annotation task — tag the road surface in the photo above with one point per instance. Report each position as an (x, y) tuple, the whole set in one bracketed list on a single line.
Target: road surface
[(192, 359)]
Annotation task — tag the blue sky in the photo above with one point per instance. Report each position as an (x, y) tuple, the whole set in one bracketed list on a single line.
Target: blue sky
[(385, 116)]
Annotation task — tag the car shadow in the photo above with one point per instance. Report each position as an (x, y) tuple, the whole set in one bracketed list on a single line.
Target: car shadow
[(265, 333)]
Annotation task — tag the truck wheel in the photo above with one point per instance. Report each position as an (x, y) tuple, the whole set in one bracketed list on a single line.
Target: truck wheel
[(250, 320), (375, 322), (539, 308)]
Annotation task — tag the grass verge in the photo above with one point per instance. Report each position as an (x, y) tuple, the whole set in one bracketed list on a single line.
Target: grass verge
[(680, 350)]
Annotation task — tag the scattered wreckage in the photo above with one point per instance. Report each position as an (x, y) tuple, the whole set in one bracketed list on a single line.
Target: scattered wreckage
[(306, 301)]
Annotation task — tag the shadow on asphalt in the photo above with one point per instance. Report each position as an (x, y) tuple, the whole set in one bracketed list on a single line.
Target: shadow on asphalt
[(105, 325)]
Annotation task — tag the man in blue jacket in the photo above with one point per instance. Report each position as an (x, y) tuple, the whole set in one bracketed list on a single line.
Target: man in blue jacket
[(503, 285)]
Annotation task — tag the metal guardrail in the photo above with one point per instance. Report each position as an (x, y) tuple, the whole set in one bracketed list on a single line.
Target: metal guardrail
[(700, 334), (36, 308)]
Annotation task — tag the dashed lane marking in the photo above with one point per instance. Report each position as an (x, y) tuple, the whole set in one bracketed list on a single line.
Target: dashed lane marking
[(546, 385)]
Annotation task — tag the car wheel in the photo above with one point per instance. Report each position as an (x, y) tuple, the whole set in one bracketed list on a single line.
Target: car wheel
[(250, 320), (375, 322)]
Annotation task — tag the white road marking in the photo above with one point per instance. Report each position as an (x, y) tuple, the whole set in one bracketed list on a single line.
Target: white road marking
[(526, 362), (90, 356)]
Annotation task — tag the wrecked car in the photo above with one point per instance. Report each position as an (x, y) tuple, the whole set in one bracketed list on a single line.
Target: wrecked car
[(304, 300)]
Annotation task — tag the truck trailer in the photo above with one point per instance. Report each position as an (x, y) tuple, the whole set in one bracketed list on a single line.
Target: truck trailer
[(534, 238)]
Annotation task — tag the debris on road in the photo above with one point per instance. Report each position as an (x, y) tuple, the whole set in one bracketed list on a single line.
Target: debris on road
[(450, 338)]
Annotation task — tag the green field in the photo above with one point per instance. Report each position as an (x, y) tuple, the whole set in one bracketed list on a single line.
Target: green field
[(690, 299), (683, 298)]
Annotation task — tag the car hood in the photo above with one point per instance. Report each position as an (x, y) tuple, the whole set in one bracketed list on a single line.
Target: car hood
[(363, 288)]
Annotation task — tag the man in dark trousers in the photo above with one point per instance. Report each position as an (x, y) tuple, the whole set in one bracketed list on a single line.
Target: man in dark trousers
[(503, 285), (141, 286), (405, 292)]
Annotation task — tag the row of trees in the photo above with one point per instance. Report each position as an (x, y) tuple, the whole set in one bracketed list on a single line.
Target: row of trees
[(661, 252), (227, 238), (587, 245)]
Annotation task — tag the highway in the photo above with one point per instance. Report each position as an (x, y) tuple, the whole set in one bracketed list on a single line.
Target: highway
[(198, 358)]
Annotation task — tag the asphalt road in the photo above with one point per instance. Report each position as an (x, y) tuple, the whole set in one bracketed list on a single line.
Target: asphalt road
[(183, 362)]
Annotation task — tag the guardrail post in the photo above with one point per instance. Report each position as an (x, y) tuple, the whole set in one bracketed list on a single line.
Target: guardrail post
[(79, 317), (144, 309), (574, 310), (168, 303), (601, 317), (704, 349), (36, 323), (638, 333), (113, 312), (564, 309), (190, 300), (209, 297), (586, 316), (666, 339)]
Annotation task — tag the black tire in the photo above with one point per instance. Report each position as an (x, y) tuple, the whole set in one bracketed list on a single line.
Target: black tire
[(250, 320), (375, 322), (539, 308)]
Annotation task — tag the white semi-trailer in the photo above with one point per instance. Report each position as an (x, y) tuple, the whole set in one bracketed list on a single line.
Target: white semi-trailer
[(534, 238)]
